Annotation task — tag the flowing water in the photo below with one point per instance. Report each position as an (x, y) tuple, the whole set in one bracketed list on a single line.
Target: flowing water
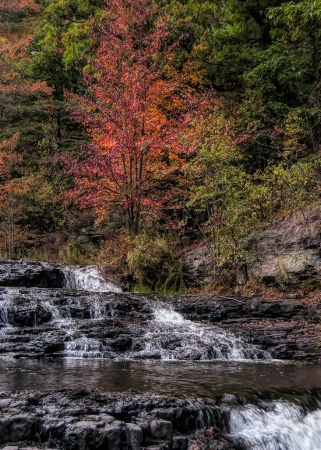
[(280, 425), (272, 405), (171, 337), (183, 378), (87, 278)]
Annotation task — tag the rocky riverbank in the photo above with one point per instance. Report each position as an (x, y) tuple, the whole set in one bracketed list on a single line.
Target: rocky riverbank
[(47, 308), (76, 420), (91, 420), (286, 253), (52, 311), (39, 322)]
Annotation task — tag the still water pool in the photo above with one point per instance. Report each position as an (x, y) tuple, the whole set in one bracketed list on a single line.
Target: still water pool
[(201, 379)]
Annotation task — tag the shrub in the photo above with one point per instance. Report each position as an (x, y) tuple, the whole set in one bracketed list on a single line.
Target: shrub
[(154, 264)]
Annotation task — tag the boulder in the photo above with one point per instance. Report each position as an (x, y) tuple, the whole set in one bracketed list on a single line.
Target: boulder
[(288, 251), (161, 429), (198, 266)]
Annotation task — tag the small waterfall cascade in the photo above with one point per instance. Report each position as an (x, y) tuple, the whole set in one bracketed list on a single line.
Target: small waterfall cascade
[(279, 425), (87, 278), (171, 337), (86, 324), (168, 337), (85, 347), (4, 320)]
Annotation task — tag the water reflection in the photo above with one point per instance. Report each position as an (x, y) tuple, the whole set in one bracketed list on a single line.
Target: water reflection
[(204, 379)]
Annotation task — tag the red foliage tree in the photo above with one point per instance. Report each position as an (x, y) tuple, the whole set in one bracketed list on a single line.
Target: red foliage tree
[(135, 114)]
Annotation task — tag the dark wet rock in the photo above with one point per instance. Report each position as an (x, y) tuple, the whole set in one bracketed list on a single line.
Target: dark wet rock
[(18, 427), (40, 323), (134, 436), (179, 443), (15, 447), (90, 420), (161, 429), (30, 274)]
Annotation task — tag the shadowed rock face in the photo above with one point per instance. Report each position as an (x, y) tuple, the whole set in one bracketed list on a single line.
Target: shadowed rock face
[(198, 266), (31, 274), (287, 252)]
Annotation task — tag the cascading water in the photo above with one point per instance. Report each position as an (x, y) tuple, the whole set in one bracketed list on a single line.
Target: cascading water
[(171, 337), (4, 321), (87, 278), (168, 336), (84, 347), (39, 320), (279, 425)]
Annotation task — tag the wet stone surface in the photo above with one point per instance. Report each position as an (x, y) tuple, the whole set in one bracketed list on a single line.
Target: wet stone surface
[(90, 420), (73, 420), (37, 322), (51, 311)]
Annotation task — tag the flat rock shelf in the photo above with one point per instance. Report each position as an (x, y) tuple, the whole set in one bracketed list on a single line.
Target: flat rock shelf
[(37, 322)]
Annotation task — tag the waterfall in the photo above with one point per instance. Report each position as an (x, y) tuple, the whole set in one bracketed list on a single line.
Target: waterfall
[(279, 425), (87, 278), (84, 347), (168, 336), (4, 322), (171, 337), (89, 325)]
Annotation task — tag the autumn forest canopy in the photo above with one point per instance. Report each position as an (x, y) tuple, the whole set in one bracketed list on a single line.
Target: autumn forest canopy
[(132, 129)]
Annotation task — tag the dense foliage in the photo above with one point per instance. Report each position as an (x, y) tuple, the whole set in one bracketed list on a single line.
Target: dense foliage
[(182, 119)]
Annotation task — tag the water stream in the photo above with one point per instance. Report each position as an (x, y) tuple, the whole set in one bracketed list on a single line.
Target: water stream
[(268, 409), (279, 425), (272, 405), (87, 278), (171, 337)]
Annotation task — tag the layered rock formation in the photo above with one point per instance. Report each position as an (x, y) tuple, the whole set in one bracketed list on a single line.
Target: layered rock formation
[(46, 322), (77, 420), (90, 420), (286, 253)]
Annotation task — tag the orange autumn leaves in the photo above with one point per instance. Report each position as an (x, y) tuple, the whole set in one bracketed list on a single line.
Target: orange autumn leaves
[(14, 86), (18, 6), (136, 117)]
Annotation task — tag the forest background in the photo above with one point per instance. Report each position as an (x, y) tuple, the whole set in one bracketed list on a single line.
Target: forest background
[(133, 130)]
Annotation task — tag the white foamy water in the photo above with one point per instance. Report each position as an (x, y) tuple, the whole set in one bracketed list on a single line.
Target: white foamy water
[(171, 337), (5, 326), (280, 426), (84, 347), (87, 278), (54, 310), (169, 316), (4, 321)]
